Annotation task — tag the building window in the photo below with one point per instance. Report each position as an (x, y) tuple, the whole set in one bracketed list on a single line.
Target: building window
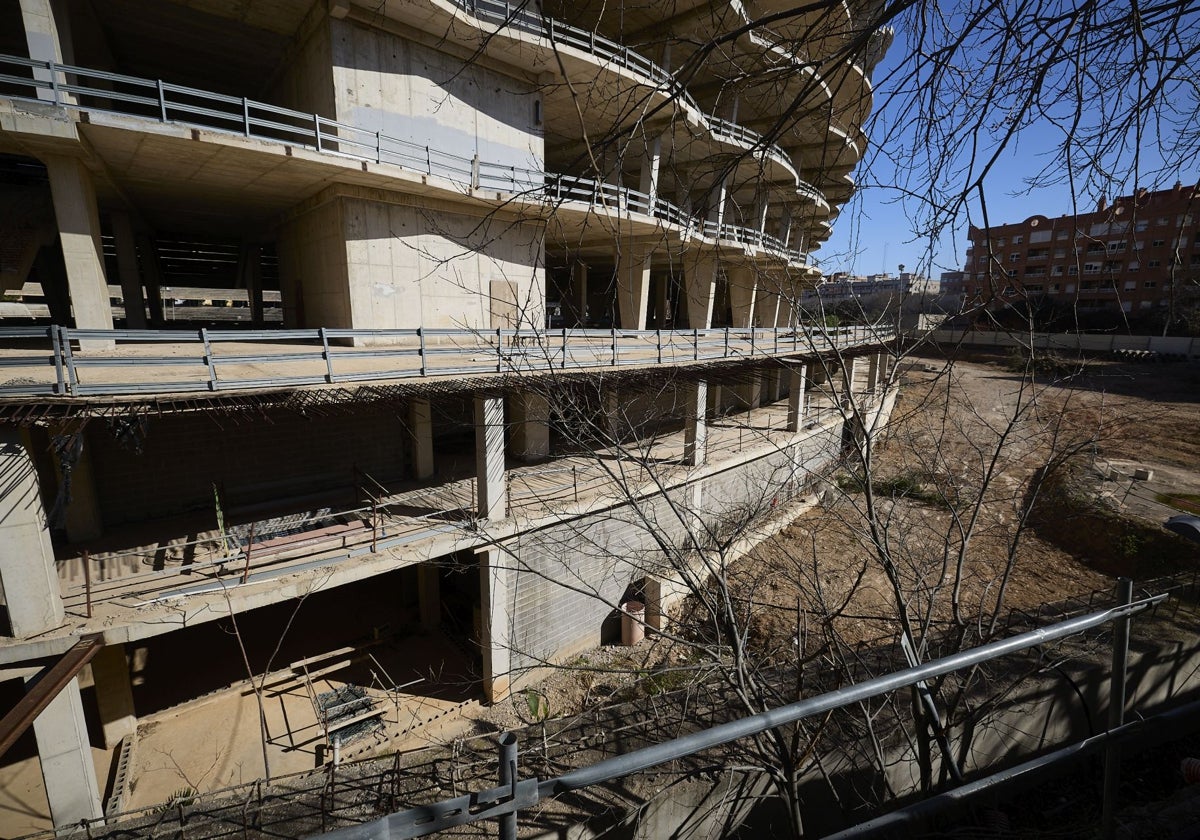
[(1039, 236), (1072, 270), (1033, 290), (1062, 234), (1012, 272), (1141, 225), (1145, 304), (1116, 247), (1184, 221), (1195, 259), (1139, 245), (1154, 263), (1130, 285), (1059, 253), (1013, 257), (1091, 268), (1134, 266), (1056, 271), (1158, 243), (1150, 284), (1017, 240), (1162, 220), (1054, 287)]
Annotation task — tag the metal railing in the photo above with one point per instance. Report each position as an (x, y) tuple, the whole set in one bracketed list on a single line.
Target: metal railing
[(515, 794), (117, 93), (320, 357)]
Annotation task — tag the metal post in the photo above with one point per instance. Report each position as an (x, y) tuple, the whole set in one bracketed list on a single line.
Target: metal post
[(162, 101), (317, 130), (87, 581), (421, 336), (614, 346), (249, 551), (1116, 710), (508, 778), (564, 348), (658, 334), (245, 116), (326, 354)]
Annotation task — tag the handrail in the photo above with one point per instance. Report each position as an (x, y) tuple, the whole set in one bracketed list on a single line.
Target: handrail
[(248, 118), (313, 357), (522, 19)]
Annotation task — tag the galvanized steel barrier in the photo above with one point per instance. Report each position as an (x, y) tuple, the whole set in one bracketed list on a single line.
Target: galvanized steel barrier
[(515, 794), (315, 357)]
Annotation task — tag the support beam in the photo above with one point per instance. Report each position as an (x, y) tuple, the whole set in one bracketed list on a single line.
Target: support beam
[(420, 426), (250, 276), (741, 296), (489, 458), (648, 178), (66, 759), (796, 402), (700, 285), (766, 307), (695, 435), (27, 573), (577, 299), (127, 267), (633, 285), (872, 373), (495, 585), (529, 418), (114, 694), (79, 231), (153, 272)]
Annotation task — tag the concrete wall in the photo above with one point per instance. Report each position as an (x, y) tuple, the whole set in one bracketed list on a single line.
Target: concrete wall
[(1183, 346), (370, 259), (306, 81), (569, 574), (412, 92)]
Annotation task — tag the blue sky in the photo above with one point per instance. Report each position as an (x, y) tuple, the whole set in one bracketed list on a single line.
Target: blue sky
[(874, 232)]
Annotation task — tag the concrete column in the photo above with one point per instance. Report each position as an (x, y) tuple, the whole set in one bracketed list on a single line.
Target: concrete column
[(114, 695), (716, 212), (577, 303), (489, 458), (495, 587), (529, 418), (420, 426), (250, 276), (795, 417), (700, 284), (127, 267), (27, 572), (750, 391), (872, 373), (761, 207), (41, 36), (882, 370), (785, 228), (429, 595), (648, 179), (695, 434), (79, 230), (154, 281), (741, 296), (633, 286), (766, 308), (662, 303), (785, 312), (66, 759)]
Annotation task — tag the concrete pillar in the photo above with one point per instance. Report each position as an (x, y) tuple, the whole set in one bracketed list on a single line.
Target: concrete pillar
[(785, 312), (529, 418), (27, 572), (716, 212), (633, 285), (872, 373), (154, 280), (695, 433), (496, 595), (750, 390), (420, 426), (250, 276), (41, 36), (700, 284), (766, 308), (127, 267), (648, 178), (662, 303), (429, 595), (114, 695), (79, 231), (577, 300), (66, 759), (882, 371), (741, 296), (761, 207), (785, 228), (489, 458), (795, 417)]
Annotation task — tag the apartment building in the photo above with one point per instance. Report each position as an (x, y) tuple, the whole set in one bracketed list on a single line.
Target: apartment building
[(316, 318), (1128, 260)]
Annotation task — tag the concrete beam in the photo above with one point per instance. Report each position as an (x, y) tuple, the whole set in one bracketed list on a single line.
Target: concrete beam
[(529, 419), (633, 285), (695, 433), (796, 402), (27, 571), (420, 426), (495, 586), (79, 231), (489, 458), (127, 267), (648, 178), (114, 695), (41, 36), (66, 759)]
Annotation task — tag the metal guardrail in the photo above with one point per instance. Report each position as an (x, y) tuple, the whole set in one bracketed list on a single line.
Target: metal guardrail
[(117, 93), (408, 354), (515, 794)]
